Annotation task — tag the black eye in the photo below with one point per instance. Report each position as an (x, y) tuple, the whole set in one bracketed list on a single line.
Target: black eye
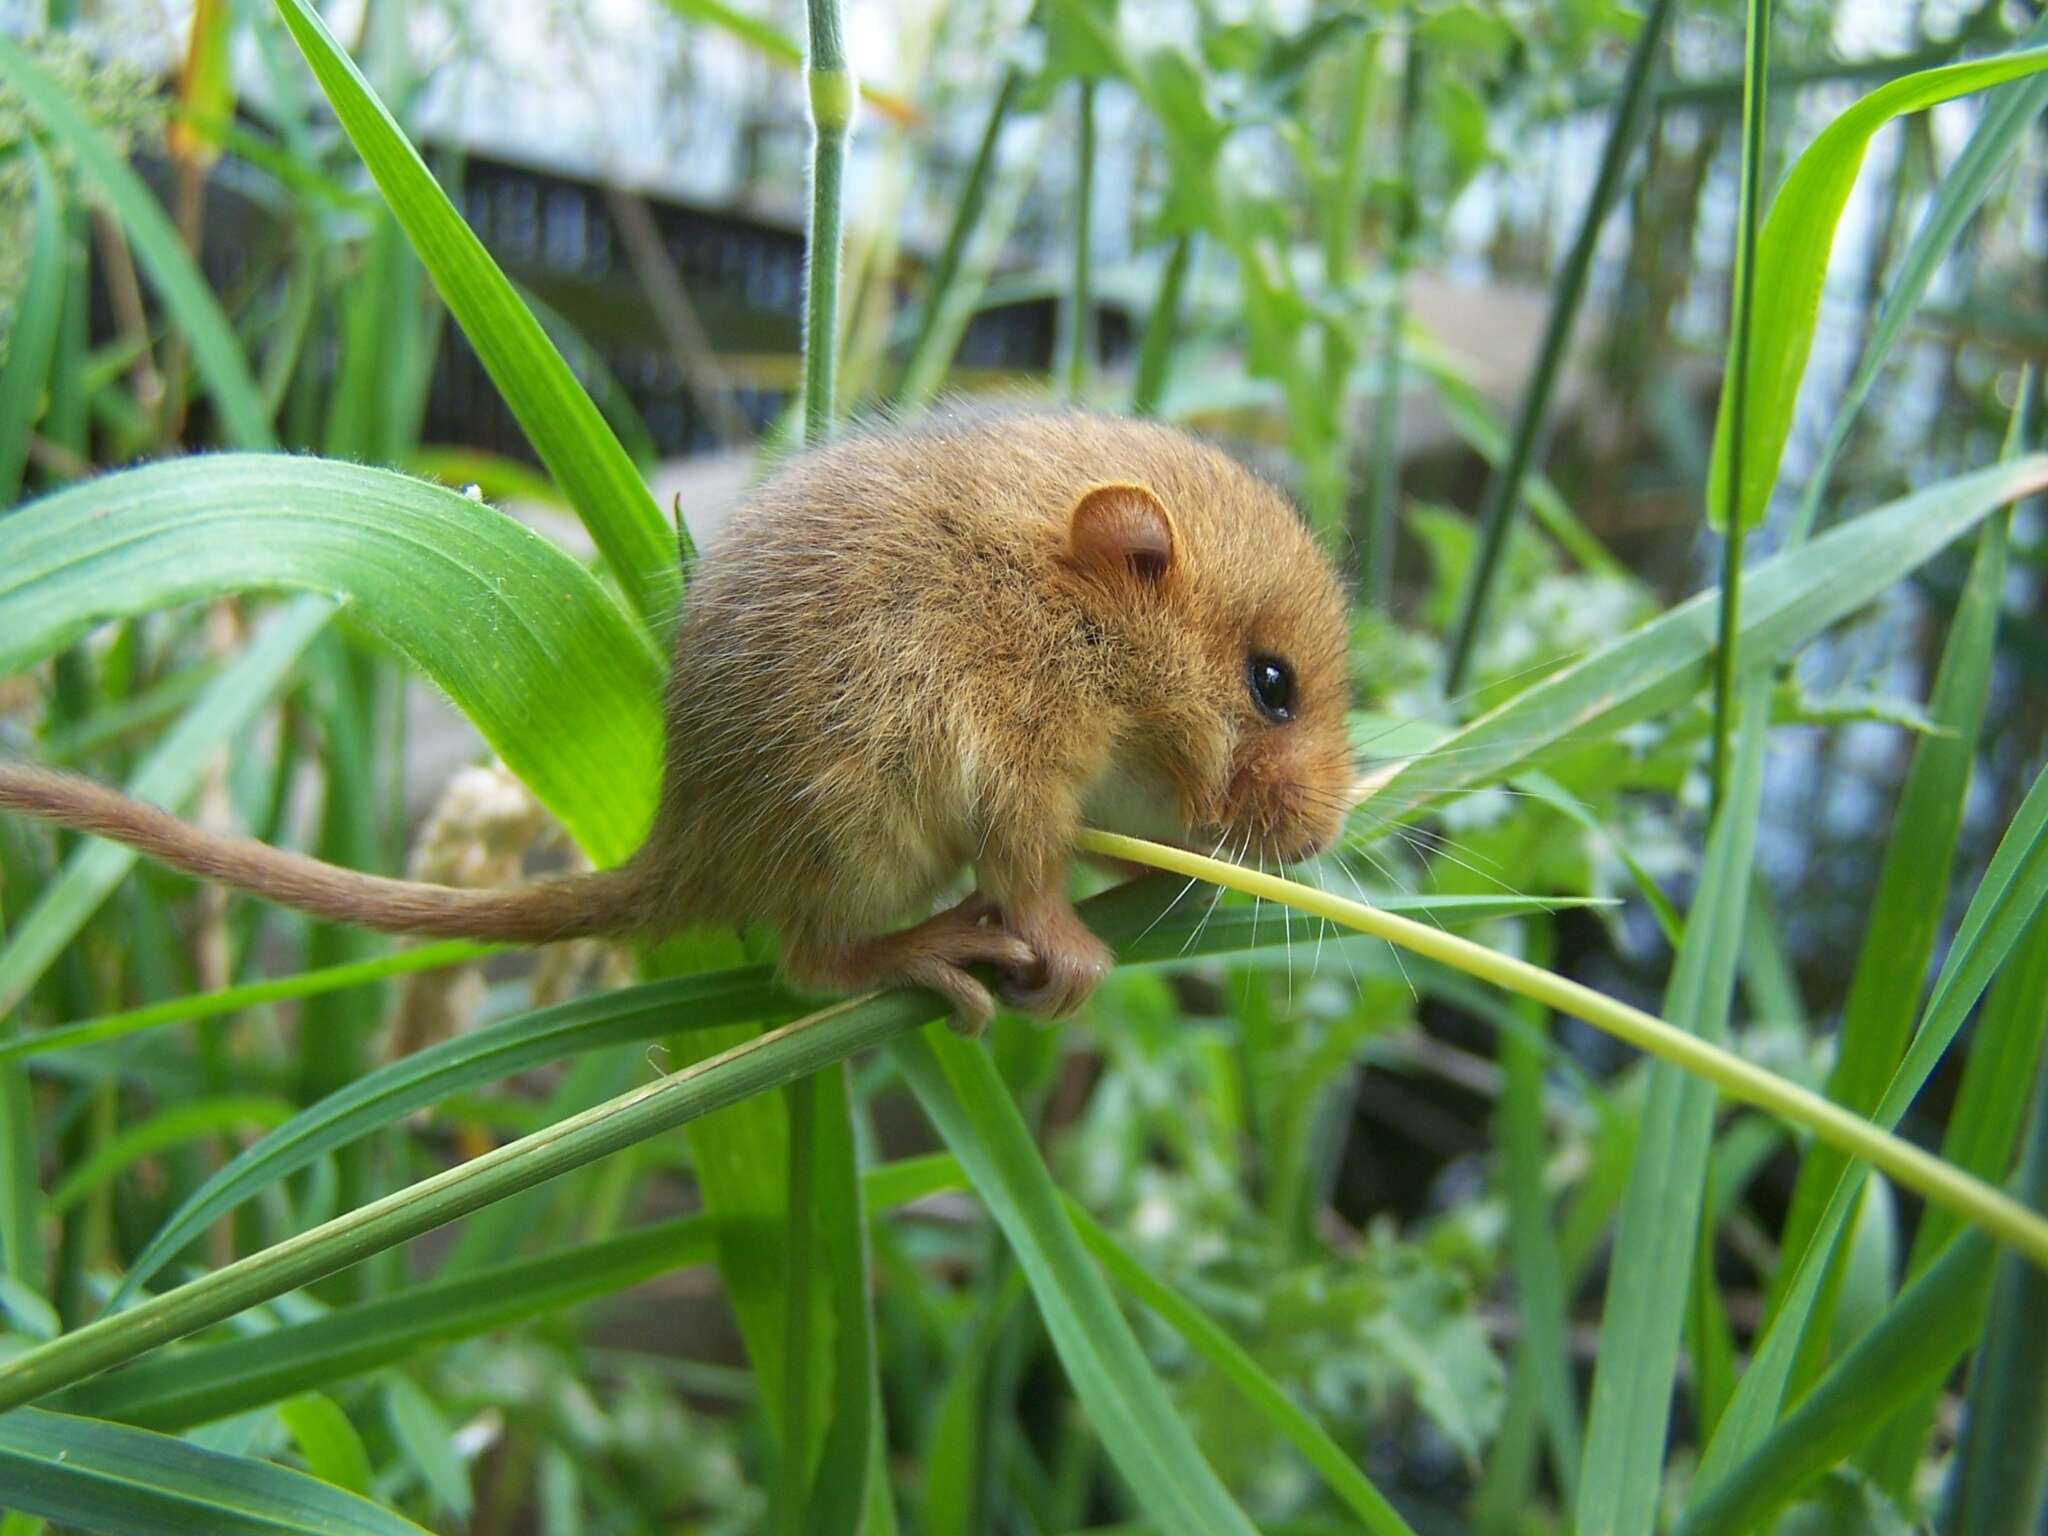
[(1272, 685)]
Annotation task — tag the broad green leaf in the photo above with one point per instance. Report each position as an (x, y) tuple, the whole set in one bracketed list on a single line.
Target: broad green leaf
[(552, 409), (1787, 600), (1655, 1241), (525, 641), (1911, 897), (2003, 908), (1792, 260), (1126, 1403), (169, 774), (1934, 1322), (111, 1478), (32, 336), (187, 300)]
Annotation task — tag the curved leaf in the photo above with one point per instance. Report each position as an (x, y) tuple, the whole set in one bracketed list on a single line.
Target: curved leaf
[(96, 1476), (552, 409), (1792, 262), (523, 639)]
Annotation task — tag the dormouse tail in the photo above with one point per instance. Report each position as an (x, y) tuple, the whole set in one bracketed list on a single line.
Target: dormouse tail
[(603, 904)]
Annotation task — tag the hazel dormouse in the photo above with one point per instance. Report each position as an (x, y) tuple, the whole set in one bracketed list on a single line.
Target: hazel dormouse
[(913, 653)]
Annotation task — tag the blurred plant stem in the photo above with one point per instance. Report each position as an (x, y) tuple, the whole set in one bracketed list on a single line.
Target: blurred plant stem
[(1383, 487), (831, 98), (1504, 489), (1162, 326), (1749, 214)]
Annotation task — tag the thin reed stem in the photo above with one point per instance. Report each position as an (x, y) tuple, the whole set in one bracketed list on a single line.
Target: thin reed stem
[(1504, 490), (1976, 1201), (1749, 214), (832, 96)]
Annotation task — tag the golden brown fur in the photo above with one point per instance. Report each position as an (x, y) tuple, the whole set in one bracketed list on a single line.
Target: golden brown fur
[(915, 652)]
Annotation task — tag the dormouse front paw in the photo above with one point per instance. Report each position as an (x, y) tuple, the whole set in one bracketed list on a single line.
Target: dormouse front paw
[(1068, 962)]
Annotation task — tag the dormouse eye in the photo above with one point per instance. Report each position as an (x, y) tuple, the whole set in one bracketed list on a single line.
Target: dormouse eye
[(1272, 685)]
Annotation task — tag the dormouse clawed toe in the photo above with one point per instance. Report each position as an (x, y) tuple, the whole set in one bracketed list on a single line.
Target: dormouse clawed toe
[(1068, 963)]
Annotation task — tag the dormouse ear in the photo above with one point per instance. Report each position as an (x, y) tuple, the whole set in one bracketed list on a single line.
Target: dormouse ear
[(1121, 530)]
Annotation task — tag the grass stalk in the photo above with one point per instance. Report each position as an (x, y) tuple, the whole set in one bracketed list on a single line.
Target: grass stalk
[(831, 96), (1504, 490), (1749, 215), (1162, 330), (1981, 1204)]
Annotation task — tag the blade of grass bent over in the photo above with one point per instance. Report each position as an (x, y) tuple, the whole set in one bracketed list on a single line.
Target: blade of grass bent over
[(556, 415), (2009, 112), (522, 638), (1792, 260)]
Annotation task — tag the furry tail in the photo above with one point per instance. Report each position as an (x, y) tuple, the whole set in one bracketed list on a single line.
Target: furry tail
[(604, 904)]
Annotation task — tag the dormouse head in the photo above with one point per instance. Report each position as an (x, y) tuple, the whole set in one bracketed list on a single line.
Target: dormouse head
[(1228, 656)]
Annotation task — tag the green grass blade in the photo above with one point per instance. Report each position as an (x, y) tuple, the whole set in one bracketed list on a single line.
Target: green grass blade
[(110, 1477), (195, 1118), (181, 1388), (1655, 1241), (333, 1450), (1504, 487), (552, 409), (2009, 113), (1541, 1296), (524, 640), (490, 1054), (1910, 901), (1983, 1126), (1788, 600), (254, 994), (2001, 1484), (1934, 1322), (761, 1063), (167, 776), (32, 338), (2004, 907), (1127, 1404), (187, 300), (1260, 1392), (839, 1491), (1792, 260)]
